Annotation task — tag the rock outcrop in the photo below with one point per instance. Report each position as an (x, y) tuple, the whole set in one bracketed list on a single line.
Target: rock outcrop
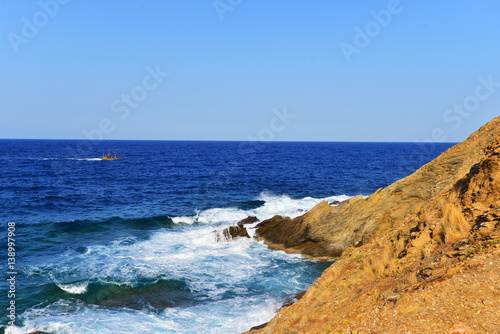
[(237, 231), (327, 231), (420, 256)]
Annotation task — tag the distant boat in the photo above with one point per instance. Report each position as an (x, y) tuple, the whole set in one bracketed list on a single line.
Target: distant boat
[(108, 156)]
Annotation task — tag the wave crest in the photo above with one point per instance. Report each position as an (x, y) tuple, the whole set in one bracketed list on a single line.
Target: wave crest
[(270, 206), (78, 288)]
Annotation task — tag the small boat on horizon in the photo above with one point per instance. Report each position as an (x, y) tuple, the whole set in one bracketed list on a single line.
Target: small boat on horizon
[(109, 157)]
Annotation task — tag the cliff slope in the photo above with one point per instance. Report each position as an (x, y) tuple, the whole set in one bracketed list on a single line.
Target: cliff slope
[(420, 256)]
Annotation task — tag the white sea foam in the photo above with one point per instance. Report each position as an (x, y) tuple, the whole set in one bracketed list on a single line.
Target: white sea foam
[(243, 268), (76, 159), (62, 317), (84, 159), (273, 205), (74, 288), (184, 220), (286, 206), (189, 253)]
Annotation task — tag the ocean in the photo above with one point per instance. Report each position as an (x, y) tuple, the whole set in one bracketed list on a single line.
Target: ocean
[(132, 246)]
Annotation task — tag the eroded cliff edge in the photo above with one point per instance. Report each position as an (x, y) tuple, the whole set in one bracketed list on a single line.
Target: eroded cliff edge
[(421, 255)]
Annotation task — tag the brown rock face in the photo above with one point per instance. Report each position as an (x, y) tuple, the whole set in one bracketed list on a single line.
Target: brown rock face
[(420, 256), (248, 221), (294, 235), (327, 231), (237, 231)]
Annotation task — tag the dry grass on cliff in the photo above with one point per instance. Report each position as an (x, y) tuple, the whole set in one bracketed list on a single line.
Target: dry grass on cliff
[(453, 225), (381, 263), (426, 253), (377, 264)]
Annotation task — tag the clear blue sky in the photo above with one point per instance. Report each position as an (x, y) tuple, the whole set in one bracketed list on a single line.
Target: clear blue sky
[(67, 67)]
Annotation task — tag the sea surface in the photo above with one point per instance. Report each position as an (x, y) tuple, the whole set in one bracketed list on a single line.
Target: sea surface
[(131, 246)]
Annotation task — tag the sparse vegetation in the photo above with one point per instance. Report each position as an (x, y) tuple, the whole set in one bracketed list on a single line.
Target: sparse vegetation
[(358, 258)]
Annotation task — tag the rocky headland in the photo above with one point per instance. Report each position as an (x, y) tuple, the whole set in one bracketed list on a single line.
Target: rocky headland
[(419, 256)]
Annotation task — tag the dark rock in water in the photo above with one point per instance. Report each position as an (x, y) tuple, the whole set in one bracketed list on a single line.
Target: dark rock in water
[(237, 231), (222, 236), (39, 332), (248, 220), (230, 233)]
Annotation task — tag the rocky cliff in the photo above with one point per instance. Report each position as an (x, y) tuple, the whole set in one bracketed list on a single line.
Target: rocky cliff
[(420, 256)]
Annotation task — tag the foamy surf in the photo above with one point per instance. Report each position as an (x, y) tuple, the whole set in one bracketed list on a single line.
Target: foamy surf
[(273, 205), (225, 276), (239, 316), (220, 278), (74, 288)]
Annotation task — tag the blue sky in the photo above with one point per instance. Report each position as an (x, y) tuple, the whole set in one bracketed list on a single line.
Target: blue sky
[(341, 70)]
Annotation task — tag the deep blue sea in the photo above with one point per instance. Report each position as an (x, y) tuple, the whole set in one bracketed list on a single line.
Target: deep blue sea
[(130, 246)]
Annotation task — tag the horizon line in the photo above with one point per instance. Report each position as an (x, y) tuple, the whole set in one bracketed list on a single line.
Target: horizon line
[(237, 141)]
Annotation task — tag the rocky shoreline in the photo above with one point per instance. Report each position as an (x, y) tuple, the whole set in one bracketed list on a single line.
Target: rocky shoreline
[(419, 256)]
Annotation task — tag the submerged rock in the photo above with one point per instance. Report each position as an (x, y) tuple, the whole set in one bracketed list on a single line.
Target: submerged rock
[(236, 231), (247, 221)]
